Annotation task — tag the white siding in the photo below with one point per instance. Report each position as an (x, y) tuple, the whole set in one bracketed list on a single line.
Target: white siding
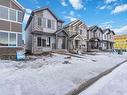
[(48, 15)]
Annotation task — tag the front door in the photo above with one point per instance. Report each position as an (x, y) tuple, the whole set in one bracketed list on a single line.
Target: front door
[(61, 43), (76, 44)]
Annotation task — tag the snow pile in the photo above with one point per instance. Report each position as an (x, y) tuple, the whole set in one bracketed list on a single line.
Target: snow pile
[(114, 83), (49, 76)]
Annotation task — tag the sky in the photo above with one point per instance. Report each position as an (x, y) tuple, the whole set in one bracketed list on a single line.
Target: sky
[(104, 13)]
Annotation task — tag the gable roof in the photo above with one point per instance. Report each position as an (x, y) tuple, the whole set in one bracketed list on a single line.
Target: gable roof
[(95, 28), (38, 10), (109, 31), (61, 30), (71, 23)]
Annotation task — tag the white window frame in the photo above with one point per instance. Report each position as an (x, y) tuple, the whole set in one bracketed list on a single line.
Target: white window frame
[(9, 15), (9, 38)]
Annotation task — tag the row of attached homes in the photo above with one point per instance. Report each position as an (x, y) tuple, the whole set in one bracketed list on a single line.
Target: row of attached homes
[(44, 32)]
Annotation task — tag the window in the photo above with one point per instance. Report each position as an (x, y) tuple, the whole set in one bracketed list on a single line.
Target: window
[(80, 32), (99, 35), (59, 25), (39, 41), (39, 21), (12, 41), (110, 36), (104, 36), (3, 39), (43, 42), (49, 23), (53, 24), (3, 13), (20, 40), (48, 41), (20, 16), (12, 15), (44, 22), (76, 28)]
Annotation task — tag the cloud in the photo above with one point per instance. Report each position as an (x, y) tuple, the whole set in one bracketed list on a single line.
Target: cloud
[(63, 3), (107, 24), (71, 16), (120, 8), (109, 1), (76, 4), (122, 30), (105, 7)]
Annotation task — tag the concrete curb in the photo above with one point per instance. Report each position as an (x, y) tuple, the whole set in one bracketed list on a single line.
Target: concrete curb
[(89, 82)]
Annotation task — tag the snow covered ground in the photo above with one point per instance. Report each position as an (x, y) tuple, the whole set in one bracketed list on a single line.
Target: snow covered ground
[(48, 76), (114, 83)]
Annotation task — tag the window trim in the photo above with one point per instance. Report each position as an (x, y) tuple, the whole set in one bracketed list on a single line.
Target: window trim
[(7, 10), (9, 32), (40, 42), (9, 15)]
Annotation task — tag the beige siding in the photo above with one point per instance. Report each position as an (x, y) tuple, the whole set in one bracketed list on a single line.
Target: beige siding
[(5, 3), (4, 25), (16, 27)]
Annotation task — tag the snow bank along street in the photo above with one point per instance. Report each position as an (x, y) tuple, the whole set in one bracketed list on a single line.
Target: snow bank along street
[(114, 83), (45, 75)]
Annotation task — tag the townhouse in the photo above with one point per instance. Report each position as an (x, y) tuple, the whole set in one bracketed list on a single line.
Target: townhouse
[(95, 36), (77, 32), (44, 32), (108, 39), (100, 39), (11, 18)]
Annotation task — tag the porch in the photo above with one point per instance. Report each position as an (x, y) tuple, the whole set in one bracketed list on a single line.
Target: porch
[(94, 44)]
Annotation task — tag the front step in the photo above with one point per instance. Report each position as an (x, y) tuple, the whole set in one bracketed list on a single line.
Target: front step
[(60, 51)]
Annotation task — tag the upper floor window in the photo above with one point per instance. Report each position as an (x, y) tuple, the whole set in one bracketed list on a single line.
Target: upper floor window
[(53, 24), (110, 36), (99, 35), (104, 36), (81, 32), (12, 15), (59, 25), (20, 16), (76, 28), (39, 21), (49, 23), (44, 22), (3, 12)]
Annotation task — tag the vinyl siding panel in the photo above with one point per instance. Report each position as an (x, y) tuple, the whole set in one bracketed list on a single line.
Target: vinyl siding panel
[(4, 25), (16, 27), (5, 3)]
